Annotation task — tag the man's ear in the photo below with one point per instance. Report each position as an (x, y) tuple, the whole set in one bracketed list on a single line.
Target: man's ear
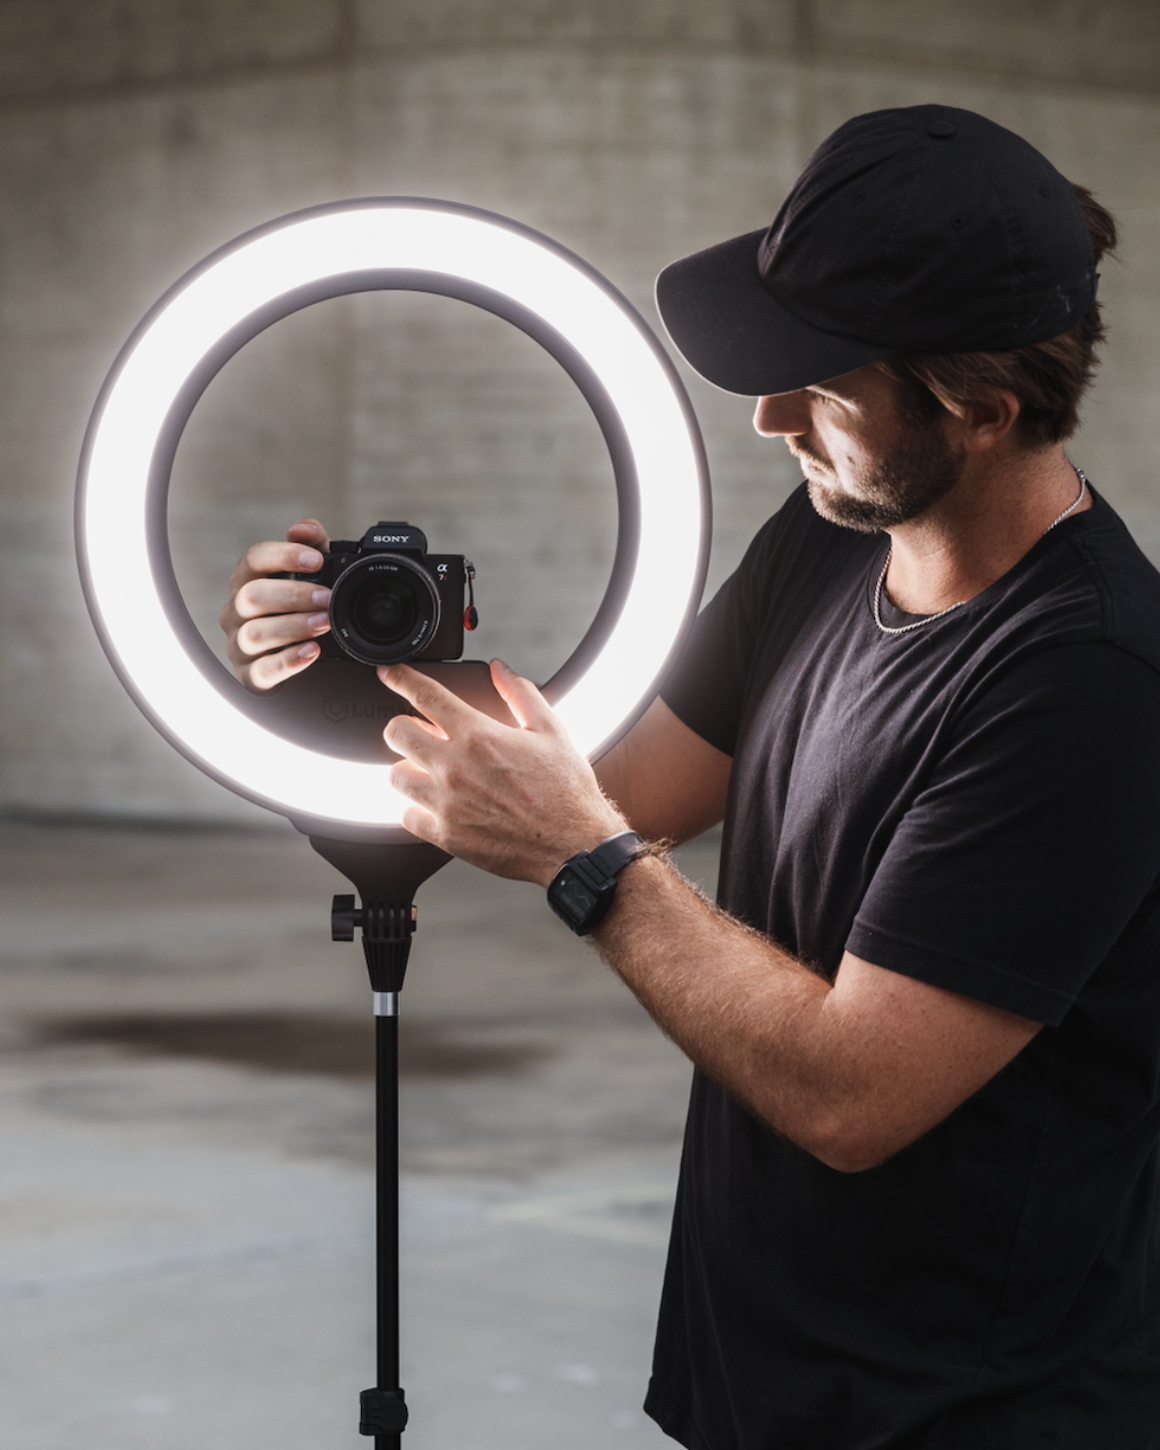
[(987, 420)]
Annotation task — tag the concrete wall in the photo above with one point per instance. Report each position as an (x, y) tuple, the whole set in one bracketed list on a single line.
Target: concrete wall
[(137, 135)]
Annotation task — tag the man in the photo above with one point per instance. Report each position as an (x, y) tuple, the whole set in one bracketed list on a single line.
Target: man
[(920, 1196)]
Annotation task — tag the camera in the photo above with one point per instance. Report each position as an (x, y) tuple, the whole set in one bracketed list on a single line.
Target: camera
[(392, 601)]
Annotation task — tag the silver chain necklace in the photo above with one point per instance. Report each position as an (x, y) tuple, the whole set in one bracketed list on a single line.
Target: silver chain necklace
[(930, 618)]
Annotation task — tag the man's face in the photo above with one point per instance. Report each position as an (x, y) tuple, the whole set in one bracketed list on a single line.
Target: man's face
[(868, 467)]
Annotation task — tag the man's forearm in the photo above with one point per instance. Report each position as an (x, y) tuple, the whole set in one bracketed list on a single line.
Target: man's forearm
[(748, 1014)]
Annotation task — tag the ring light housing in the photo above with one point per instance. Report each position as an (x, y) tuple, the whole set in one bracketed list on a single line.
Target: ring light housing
[(293, 262)]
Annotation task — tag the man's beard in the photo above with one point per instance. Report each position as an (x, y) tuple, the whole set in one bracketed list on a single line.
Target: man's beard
[(921, 471)]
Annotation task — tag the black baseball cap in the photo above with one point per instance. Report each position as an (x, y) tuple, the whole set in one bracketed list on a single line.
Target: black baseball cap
[(921, 229)]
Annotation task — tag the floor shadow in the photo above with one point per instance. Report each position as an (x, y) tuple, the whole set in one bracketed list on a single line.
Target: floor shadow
[(329, 1045)]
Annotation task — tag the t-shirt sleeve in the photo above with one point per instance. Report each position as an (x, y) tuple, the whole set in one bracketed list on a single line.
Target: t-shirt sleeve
[(1025, 856)]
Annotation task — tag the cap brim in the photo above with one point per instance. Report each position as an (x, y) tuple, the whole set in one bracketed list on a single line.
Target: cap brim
[(737, 335)]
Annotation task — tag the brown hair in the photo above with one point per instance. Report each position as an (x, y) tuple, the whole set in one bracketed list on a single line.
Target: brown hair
[(1049, 378)]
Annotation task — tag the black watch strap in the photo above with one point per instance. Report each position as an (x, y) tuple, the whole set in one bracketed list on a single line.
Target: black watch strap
[(582, 890)]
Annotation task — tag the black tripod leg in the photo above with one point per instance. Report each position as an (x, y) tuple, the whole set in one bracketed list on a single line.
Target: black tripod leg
[(386, 877)]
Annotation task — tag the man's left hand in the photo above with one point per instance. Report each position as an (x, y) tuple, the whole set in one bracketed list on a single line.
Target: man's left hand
[(515, 802)]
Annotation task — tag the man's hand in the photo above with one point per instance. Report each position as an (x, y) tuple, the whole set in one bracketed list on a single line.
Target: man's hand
[(271, 624), (516, 802)]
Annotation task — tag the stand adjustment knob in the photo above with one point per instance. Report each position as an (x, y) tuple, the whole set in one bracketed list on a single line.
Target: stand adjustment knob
[(343, 918)]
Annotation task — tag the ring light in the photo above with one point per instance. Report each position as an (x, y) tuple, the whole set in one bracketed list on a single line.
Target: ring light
[(303, 258)]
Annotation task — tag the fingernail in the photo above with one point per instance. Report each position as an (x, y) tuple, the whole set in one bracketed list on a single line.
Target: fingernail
[(318, 621), (503, 669), (320, 597), (306, 651), (310, 559)]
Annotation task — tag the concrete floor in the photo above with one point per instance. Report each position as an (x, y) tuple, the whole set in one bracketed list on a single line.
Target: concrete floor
[(186, 1180)]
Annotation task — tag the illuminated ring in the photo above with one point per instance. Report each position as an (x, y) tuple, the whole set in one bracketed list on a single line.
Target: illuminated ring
[(266, 274)]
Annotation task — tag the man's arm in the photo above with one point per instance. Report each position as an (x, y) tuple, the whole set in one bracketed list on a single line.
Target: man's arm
[(851, 1072)]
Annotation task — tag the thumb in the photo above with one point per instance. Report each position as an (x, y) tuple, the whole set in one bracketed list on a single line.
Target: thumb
[(531, 710)]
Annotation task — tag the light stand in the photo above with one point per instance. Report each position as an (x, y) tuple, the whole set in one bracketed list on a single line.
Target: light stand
[(386, 878), (291, 751)]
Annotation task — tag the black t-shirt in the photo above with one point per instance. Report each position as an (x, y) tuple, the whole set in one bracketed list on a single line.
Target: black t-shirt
[(974, 803)]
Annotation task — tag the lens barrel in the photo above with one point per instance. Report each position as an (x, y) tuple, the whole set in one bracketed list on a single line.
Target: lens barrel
[(384, 609)]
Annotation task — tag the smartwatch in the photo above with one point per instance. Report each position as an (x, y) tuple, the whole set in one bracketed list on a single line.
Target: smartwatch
[(582, 890)]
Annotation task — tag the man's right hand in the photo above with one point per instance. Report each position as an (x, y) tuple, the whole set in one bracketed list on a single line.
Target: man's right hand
[(271, 625)]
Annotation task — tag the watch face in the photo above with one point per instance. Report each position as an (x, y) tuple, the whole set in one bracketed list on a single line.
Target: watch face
[(571, 893)]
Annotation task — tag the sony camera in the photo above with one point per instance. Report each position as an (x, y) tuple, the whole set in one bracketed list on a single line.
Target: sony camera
[(391, 601)]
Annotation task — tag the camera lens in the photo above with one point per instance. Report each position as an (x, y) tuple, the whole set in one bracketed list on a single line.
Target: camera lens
[(384, 609)]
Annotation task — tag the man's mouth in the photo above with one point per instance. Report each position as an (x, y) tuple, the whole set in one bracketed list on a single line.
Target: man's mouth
[(810, 460)]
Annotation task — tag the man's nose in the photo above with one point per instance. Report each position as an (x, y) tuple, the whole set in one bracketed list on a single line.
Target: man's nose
[(782, 413)]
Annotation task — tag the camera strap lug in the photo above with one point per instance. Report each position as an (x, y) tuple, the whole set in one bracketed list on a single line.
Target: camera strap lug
[(470, 614)]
